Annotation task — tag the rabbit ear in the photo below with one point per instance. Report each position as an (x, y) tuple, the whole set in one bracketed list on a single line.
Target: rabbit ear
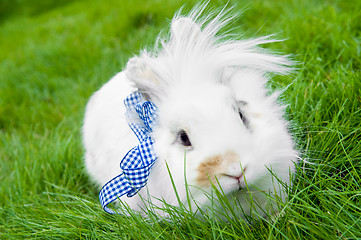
[(140, 72), (150, 74)]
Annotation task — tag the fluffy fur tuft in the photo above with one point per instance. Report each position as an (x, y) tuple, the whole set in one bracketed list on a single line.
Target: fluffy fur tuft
[(196, 41), (214, 109)]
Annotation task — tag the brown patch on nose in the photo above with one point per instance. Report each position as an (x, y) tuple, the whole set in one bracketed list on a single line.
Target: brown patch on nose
[(214, 166)]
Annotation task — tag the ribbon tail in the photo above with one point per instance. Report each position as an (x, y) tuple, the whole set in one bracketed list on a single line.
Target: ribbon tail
[(136, 164), (113, 190)]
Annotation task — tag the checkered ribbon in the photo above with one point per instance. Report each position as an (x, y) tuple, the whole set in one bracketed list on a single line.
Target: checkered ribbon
[(137, 163)]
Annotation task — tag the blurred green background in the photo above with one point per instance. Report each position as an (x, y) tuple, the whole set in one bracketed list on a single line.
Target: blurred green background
[(55, 54)]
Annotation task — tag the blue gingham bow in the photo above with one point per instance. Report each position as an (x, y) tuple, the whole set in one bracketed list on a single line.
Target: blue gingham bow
[(137, 163)]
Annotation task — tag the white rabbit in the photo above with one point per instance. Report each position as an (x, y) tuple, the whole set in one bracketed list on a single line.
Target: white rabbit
[(216, 121)]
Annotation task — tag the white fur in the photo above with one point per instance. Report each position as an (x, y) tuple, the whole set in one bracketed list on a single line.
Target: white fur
[(195, 78)]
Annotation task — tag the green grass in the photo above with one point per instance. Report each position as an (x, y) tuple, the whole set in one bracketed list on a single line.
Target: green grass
[(54, 54)]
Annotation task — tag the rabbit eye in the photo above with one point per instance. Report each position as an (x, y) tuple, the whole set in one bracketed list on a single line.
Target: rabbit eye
[(184, 139), (243, 118), (240, 113)]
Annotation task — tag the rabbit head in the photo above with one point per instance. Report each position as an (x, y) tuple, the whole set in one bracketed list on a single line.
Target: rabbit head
[(217, 121)]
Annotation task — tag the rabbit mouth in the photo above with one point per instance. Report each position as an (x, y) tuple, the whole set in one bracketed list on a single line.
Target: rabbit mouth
[(239, 179)]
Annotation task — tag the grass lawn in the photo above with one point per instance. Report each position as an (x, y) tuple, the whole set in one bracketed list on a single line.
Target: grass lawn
[(55, 54)]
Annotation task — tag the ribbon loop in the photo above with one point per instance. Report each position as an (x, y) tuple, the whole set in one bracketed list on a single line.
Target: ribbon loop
[(147, 113), (137, 163)]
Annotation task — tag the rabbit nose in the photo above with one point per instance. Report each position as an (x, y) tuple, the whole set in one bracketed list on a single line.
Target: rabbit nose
[(227, 164)]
